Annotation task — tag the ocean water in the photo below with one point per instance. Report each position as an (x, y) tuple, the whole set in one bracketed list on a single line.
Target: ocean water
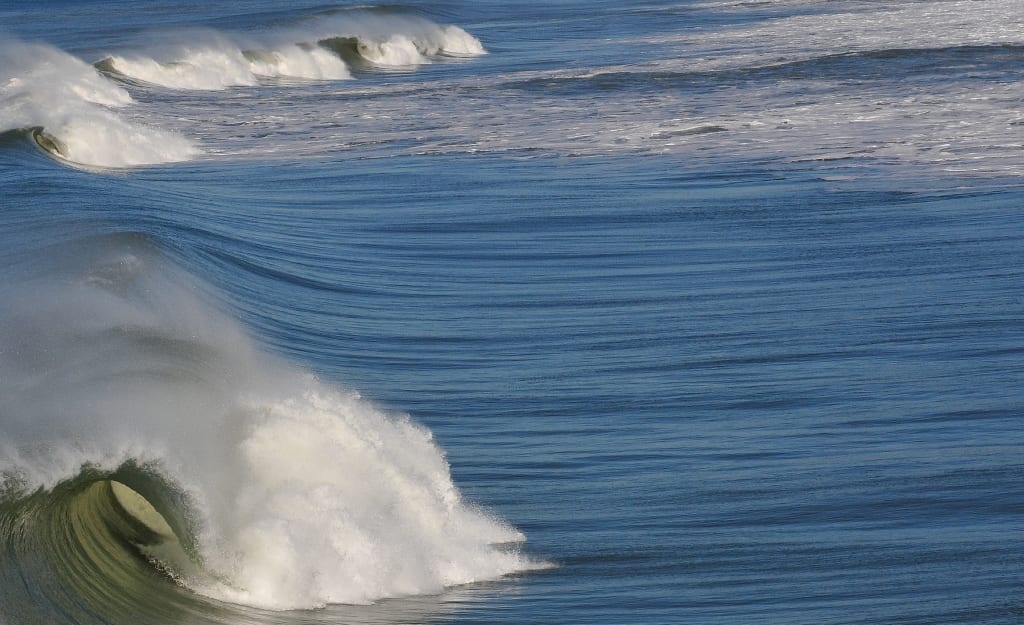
[(539, 312)]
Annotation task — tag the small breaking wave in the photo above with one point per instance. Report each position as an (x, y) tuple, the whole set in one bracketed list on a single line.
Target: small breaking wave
[(76, 112), (325, 47), (220, 64), (85, 115)]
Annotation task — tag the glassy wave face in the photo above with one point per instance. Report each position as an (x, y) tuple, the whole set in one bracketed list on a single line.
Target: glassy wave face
[(152, 458)]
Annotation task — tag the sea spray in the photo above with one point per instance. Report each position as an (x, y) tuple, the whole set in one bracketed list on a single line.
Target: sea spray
[(320, 47), (342, 503), (206, 60), (295, 493), (76, 110)]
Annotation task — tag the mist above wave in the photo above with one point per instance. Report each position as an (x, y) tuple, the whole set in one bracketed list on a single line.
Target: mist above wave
[(302, 494)]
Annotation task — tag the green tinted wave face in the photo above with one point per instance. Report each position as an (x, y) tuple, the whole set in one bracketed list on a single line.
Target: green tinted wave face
[(96, 551)]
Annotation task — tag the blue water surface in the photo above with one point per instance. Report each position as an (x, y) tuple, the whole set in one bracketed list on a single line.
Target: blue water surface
[(722, 389)]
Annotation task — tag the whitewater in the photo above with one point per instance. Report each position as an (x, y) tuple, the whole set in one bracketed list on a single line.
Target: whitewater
[(149, 377)]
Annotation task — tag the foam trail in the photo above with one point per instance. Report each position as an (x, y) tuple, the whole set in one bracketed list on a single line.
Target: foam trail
[(42, 87), (301, 494)]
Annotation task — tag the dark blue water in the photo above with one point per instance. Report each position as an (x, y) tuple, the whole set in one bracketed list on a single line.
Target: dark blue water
[(719, 304)]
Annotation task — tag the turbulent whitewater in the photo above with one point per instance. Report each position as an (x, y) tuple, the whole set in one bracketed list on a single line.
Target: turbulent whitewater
[(275, 490), (319, 48), (80, 115)]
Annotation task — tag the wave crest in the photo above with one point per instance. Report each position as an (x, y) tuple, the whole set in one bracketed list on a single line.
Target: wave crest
[(283, 491), (215, 66), (321, 48), (79, 110)]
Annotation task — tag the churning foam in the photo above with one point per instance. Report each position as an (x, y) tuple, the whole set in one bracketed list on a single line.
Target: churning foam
[(220, 64), (342, 503), (302, 494), (208, 60), (42, 87)]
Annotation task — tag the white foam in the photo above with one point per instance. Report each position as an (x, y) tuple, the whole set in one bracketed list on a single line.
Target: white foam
[(304, 62), (781, 97), (811, 28), (206, 68), (456, 41), (417, 47), (396, 51), (215, 66), (41, 86), (392, 40), (28, 69), (345, 504), (102, 139), (303, 494), (208, 60)]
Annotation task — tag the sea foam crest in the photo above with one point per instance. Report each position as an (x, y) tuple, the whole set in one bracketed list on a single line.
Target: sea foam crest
[(401, 49), (345, 504), (302, 494), (218, 63), (320, 48), (76, 107)]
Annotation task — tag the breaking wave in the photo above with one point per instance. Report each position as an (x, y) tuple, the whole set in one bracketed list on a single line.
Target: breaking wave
[(79, 115), (324, 47), (217, 63), (149, 450), (85, 115)]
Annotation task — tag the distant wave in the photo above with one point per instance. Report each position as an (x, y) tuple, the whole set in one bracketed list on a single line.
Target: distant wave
[(84, 114), (217, 63), (78, 112), (151, 456), (320, 48)]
